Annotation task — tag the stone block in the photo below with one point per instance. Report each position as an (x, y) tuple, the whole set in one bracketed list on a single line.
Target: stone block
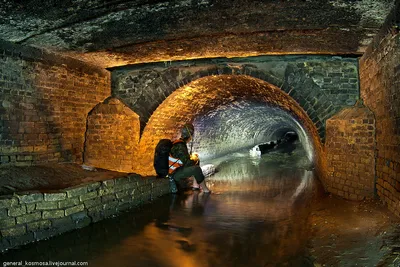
[(45, 234), (106, 191), (63, 224), (29, 218), (89, 195), (15, 231), (30, 207), (68, 202), (17, 211), (8, 201), (79, 216), (76, 191), (54, 196), (108, 198), (53, 205), (4, 244), (95, 215), (6, 223), (83, 223), (75, 209), (30, 198), (108, 183), (33, 226), (121, 195), (93, 186), (53, 214), (3, 214), (92, 202), (22, 239)]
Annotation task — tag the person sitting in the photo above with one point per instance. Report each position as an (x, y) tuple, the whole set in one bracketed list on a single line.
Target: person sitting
[(182, 165)]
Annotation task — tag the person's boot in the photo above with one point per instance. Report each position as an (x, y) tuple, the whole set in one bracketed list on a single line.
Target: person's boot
[(204, 187)]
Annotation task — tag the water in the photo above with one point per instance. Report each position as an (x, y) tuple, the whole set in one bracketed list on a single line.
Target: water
[(257, 215)]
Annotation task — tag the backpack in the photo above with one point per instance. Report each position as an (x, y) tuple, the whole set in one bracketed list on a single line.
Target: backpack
[(161, 155)]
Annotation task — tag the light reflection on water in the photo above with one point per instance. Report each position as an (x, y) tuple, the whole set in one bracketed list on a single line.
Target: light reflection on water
[(256, 216)]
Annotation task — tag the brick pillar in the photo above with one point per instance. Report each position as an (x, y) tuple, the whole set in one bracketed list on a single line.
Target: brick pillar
[(350, 149), (112, 136)]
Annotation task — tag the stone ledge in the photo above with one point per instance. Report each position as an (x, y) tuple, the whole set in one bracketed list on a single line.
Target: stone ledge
[(27, 217)]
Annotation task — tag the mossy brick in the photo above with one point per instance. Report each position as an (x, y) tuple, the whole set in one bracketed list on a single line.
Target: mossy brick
[(92, 202), (29, 218), (74, 192), (122, 194), (44, 234), (3, 214), (96, 209), (75, 209), (30, 198), (54, 196), (83, 223), (22, 239), (89, 195), (63, 224), (122, 180), (10, 222), (68, 202), (53, 205), (95, 215), (108, 183), (108, 198), (7, 201), (17, 211), (79, 216), (123, 187), (53, 214), (30, 207), (106, 191), (33, 226), (93, 186), (15, 231)]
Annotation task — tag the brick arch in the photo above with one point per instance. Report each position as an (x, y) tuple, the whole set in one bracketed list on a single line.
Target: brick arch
[(144, 89), (206, 94)]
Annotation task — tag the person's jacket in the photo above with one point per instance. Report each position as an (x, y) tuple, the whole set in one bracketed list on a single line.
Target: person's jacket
[(180, 154)]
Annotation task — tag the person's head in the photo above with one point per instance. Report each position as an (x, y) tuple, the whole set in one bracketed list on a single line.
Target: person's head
[(187, 132)]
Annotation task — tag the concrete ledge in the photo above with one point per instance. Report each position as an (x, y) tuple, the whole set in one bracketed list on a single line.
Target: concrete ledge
[(26, 217)]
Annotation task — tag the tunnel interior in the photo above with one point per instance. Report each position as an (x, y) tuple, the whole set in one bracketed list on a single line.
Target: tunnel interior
[(230, 113), (245, 124)]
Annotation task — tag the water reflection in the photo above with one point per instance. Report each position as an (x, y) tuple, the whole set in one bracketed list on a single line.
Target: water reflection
[(257, 216)]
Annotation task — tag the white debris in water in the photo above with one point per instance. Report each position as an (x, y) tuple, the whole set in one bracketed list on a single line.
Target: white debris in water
[(255, 152), (208, 169)]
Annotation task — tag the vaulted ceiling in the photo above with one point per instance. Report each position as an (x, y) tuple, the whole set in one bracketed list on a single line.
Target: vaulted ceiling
[(120, 32)]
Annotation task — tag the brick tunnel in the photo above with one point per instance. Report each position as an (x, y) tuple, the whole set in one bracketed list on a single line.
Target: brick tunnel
[(86, 92), (250, 111)]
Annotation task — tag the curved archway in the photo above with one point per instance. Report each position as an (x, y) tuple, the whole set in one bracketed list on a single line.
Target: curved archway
[(210, 93)]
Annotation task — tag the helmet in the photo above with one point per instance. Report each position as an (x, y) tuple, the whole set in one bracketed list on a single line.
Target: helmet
[(187, 131)]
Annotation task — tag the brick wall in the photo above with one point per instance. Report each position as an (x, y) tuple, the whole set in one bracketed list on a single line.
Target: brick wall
[(112, 136), (321, 85), (350, 150), (208, 93), (33, 216), (380, 87), (44, 102)]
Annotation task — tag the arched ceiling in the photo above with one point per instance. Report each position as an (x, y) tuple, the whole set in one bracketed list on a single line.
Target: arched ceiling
[(121, 32), (242, 124), (230, 112)]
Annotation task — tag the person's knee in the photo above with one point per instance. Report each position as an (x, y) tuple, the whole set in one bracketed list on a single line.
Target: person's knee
[(199, 176)]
